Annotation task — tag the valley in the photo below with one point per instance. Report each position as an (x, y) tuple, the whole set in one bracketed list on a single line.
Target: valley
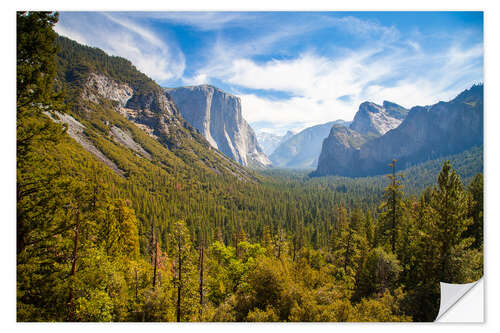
[(140, 203)]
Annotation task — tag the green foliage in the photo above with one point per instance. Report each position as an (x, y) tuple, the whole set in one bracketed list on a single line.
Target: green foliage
[(380, 272), (475, 230), (94, 245)]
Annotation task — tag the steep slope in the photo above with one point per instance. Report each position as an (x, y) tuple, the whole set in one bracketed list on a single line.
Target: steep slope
[(376, 120), (118, 108), (426, 133), (301, 150), (217, 115), (342, 142)]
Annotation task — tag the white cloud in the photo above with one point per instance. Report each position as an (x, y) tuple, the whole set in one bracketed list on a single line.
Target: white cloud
[(120, 36), (196, 80), (316, 83), (295, 113), (384, 66)]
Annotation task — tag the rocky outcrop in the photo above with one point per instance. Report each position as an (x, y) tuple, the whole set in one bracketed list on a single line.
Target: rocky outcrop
[(217, 115), (343, 143), (125, 139), (302, 150), (100, 86), (150, 109), (376, 120), (97, 85), (426, 133)]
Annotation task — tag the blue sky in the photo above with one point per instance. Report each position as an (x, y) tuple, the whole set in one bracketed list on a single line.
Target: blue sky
[(296, 69)]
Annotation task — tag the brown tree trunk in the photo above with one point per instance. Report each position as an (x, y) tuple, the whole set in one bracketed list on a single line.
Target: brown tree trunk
[(73, 265), (136, 284), (180, 284), (155, 264), (152, 242), (201, 281), (393, 240)]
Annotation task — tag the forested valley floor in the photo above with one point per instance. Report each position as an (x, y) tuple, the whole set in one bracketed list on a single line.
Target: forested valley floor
[(168, 241)]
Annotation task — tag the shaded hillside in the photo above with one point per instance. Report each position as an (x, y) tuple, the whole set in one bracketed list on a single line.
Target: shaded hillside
[(426, 133)]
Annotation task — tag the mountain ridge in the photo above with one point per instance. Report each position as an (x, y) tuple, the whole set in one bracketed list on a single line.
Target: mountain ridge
[(427, 132), (118, 105)]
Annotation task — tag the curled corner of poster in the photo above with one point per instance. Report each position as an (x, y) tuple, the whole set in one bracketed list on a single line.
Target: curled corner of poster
[(461, 303)]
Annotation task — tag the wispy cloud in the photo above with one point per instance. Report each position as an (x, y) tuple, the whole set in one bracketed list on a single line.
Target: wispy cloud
[(388, 67), (285, 77), (364, 28), (318, 84), (118, 35), (202, 20)]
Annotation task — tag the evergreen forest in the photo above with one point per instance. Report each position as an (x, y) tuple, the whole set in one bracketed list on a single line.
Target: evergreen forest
[(168, 239)]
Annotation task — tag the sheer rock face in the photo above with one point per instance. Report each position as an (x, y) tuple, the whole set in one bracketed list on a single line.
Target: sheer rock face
[(217, 115), (426, 133), (376, 119), (342, 143), (429, 132), (151, 109)]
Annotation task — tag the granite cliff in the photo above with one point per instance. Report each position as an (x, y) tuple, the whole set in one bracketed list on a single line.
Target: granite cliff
[(217, 115), (376, 120), (426, 133), (117, 110)]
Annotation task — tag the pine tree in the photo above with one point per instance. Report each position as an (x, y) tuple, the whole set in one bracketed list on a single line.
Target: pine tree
[(186, 301), (475, 230), (391, 209), (449, 203), (38, 179)]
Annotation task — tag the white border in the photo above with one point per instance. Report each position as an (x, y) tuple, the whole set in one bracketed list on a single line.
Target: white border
[(7, 132)]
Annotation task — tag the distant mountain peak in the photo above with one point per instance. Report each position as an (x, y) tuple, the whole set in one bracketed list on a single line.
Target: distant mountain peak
[(425, 133), (377, 119), (472, 94)]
